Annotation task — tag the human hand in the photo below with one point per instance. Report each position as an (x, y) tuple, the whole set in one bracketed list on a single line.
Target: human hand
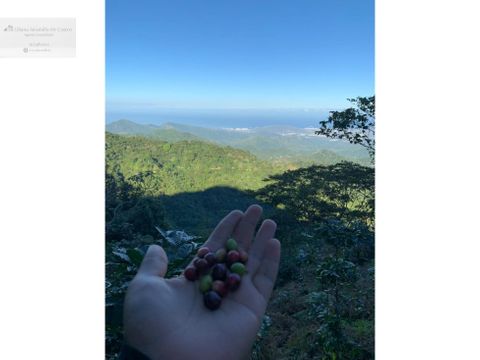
[(166, 318)]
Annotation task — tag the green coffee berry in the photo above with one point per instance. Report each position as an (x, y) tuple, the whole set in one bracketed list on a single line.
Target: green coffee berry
[(220, 255), (232, 244), (205, 283), (238, 268)]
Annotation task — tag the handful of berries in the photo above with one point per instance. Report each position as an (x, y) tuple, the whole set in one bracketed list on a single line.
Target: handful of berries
[(218, 272)]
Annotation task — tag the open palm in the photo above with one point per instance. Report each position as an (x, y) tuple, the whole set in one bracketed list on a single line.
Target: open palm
[(166, 318)]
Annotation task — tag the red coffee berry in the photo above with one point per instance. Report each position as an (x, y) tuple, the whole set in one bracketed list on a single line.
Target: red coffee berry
[(203, 251), (233, 256), (211, 259), (212, 300), (220, 288), (243, 256), (191, 273), (200, 264), (219, 272), (233, 281)]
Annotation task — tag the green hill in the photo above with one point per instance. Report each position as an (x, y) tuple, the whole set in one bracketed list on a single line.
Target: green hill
[(127, 127), (184, 166), (281, 144), (166, 133)]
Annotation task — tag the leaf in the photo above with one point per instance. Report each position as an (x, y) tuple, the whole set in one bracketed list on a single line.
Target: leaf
[(135, 256)]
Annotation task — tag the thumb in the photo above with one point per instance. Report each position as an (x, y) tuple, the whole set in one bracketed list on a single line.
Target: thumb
[(155, 262)]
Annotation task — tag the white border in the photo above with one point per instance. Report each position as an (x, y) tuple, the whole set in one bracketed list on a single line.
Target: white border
[(427, 246), (51, 192)]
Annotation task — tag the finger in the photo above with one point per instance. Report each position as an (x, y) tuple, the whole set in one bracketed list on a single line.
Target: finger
[(223, 230), (155, 262), (265, 233), (264, 278), (245, 229)]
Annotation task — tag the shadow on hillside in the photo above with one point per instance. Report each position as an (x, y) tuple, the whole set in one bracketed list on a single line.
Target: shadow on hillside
[(343, 191), (197, 213)]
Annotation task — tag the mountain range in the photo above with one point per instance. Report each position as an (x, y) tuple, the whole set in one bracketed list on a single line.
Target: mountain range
[(273, 143)]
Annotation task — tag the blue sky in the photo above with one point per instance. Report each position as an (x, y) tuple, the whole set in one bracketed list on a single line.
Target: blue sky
[(187, 55)]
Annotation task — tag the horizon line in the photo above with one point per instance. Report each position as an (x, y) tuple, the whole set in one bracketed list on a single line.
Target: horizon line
[(204, 126)]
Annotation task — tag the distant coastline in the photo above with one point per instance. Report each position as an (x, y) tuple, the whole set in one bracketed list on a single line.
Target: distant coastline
[(299, 118)]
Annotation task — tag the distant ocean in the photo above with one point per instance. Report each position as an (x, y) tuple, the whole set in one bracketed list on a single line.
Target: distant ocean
[(224, 118)]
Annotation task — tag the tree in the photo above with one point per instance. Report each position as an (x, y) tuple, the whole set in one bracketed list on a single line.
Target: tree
[(343, 191), (355, 124)]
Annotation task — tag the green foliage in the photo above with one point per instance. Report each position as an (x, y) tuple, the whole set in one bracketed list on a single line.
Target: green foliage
[(155, 168), (319, 192), (323, 303), (128, 212), (335, 271), (326, 229), (355, 124)]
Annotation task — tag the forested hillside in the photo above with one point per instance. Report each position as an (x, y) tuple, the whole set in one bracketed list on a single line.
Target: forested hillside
[(323, 303), (172, 167), (280, 144), (166, 133)]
